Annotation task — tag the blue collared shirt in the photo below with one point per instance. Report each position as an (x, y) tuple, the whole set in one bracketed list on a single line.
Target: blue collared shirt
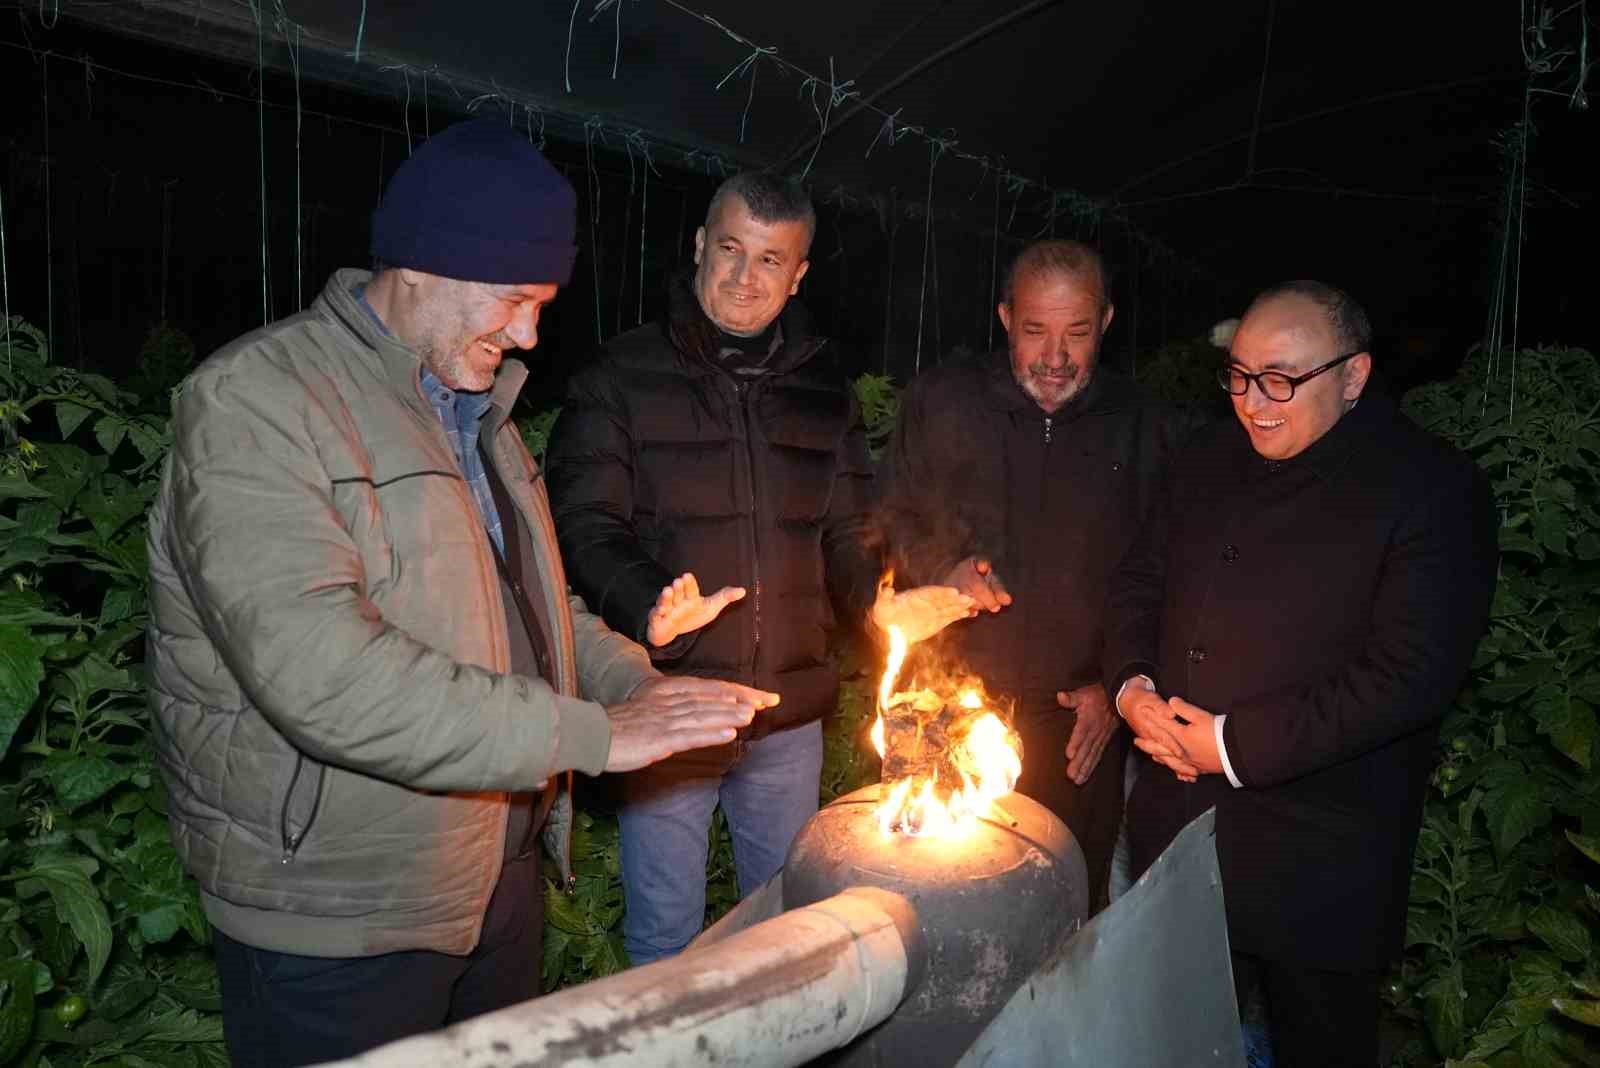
[(461, 414)]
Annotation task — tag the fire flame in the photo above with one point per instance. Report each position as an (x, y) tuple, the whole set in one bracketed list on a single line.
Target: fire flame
[(985, 758)]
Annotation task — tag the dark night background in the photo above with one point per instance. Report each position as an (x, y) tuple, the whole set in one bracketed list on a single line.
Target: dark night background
[(135, 159)]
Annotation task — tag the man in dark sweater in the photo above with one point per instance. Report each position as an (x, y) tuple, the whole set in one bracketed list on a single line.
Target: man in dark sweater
[(1019, 479), (724, 446)]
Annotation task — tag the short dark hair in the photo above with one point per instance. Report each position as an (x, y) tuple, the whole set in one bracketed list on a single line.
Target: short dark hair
[(1346, 320), (771, 198), (1073, 259)]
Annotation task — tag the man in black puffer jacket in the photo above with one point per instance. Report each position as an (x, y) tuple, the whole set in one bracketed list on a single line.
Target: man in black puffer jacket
[(722, 446)]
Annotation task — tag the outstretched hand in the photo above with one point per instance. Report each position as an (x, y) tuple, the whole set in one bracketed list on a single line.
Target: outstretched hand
[(668, 714), (681, 609), (975, 577), (921, 612)]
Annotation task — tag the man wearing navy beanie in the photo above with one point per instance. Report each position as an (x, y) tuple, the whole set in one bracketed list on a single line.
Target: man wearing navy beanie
[(365, 667)]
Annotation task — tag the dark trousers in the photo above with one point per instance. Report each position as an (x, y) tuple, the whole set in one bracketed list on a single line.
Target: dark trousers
[(281, 1010), (1093, 811), (1317, 1019)]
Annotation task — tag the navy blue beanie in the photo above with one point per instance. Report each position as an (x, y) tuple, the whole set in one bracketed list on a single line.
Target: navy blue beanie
[(477, 202)]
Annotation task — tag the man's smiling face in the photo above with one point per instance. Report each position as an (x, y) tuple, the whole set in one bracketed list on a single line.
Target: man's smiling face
[(1291, 334)]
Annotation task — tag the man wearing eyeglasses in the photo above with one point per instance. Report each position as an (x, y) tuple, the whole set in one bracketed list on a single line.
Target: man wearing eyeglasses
[(1284, 638)]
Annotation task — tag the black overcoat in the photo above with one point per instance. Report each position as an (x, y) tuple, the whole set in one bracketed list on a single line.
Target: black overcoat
[(1329, 606)]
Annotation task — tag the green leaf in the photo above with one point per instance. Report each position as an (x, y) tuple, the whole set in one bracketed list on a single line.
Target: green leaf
[(160, 924), (1550, 527), (70, 415), (1588, 845), (1443, 1000), (1585, 1012), (120, 603), (122, 994), (1514, 811), (26, 608), (1514, 541), (21, 672), (14, 486), (1563, 932), (1587, 547), (612, 957), (183, 1025), (78, 780), (1519, 681), (1571, 727), (78, 904), (563, 912), (1536, 973), (16, 1010), (1508, 923), (151, 443)]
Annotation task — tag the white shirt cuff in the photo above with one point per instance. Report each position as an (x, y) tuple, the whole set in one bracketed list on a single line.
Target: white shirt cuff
[(1116, 702), (1222, 751)]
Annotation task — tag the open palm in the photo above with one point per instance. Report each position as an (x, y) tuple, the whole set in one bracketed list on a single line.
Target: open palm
[(681, 608)]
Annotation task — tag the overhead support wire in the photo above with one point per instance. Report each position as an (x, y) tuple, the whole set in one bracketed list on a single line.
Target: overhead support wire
[(967, 41)]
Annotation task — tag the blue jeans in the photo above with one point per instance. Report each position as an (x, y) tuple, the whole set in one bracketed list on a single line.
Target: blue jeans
[(767, 789)]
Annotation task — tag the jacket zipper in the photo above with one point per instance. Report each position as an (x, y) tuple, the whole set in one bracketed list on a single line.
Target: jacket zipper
[(293, 839), (739, 391), (1047, 425)]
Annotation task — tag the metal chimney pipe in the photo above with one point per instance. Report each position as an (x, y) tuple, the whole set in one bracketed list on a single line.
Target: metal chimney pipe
[(777, 994)]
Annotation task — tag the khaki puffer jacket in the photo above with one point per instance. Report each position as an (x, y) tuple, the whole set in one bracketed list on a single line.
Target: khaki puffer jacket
[(327, 642)]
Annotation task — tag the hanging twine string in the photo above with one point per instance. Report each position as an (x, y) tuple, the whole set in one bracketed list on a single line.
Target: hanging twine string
[(405, 74), (698, 157), (291, 32), (1016, 185), (838, 93), (744, 66), (5, 278), (936, 148), (49, 242), (88, 80), (1261, 92), (261, 159), (636, 141), (994, 265), (591, 129), (627, 230), (892, 129), (540, 144), (361, 29)]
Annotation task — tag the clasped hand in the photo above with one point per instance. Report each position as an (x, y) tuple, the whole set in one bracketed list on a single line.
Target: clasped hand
[(1174, 732)]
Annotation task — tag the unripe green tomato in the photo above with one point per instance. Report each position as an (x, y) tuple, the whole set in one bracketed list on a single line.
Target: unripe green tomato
[(70, 1009), (1461, 745), (1451, 774)]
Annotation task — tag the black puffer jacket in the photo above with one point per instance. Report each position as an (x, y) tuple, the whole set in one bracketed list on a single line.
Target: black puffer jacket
[(664, 462)]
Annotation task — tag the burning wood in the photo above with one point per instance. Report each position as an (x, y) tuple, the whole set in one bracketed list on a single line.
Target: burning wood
[(921, 735), (945, 760)]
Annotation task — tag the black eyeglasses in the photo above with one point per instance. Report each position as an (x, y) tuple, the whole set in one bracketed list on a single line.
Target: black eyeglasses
[(1274, 385)]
